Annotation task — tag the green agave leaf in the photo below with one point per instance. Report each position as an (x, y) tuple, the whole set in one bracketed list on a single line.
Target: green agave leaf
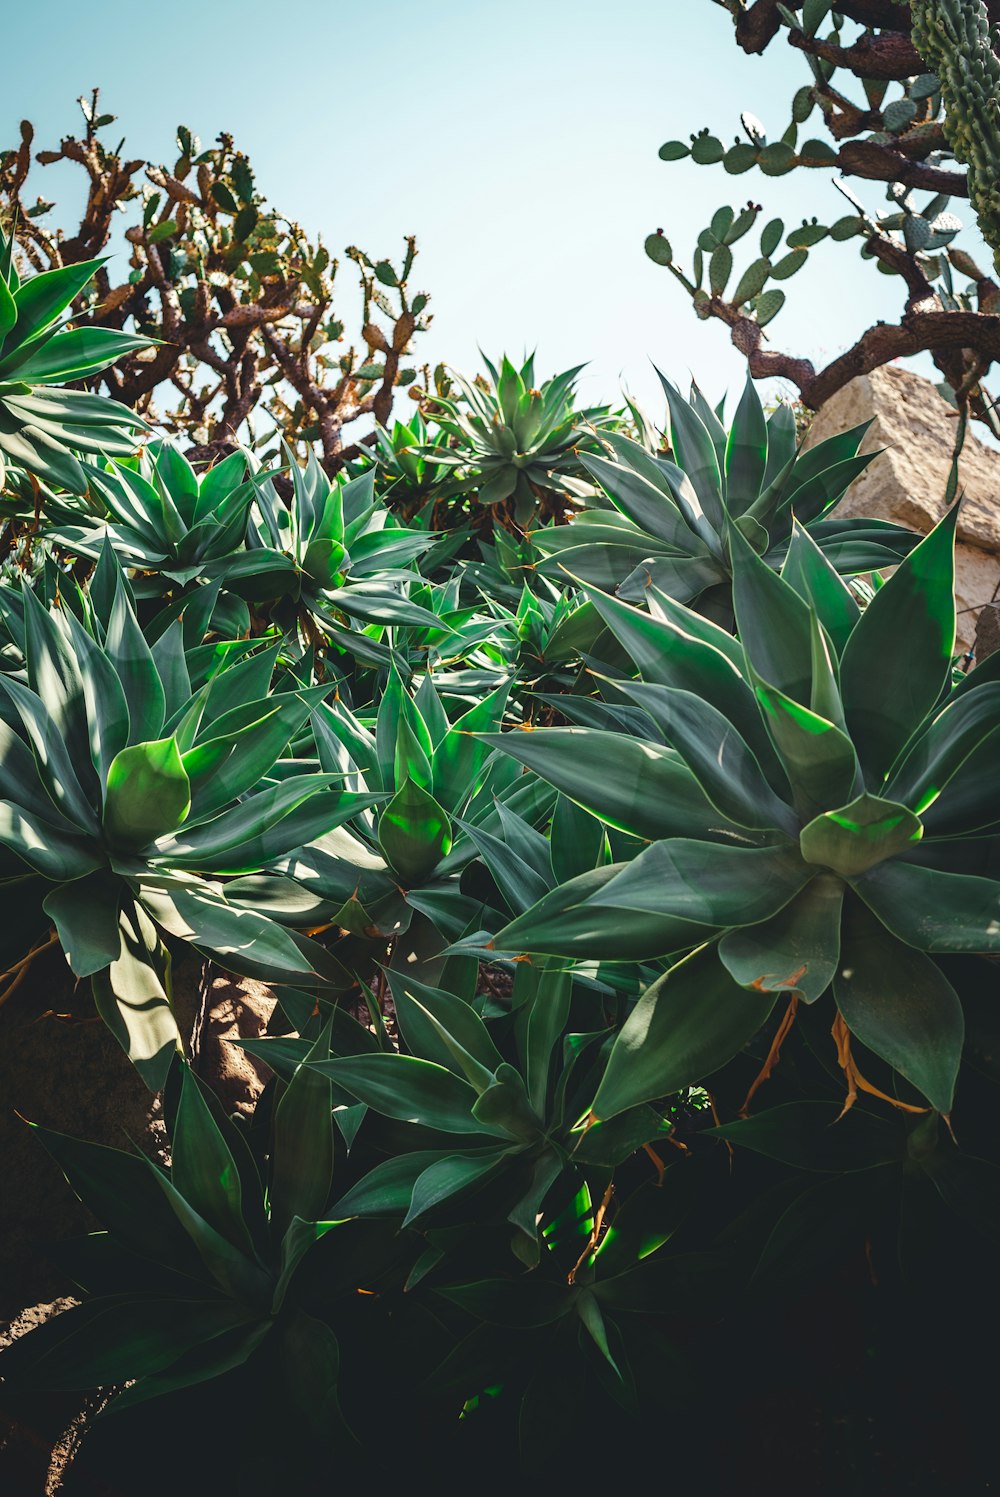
[(208, 1361), (388, 1188), (696, 453), (577, 840), (689, 1023), (808, 571), (148, 794), (705, 881), (45, 848), (824, 1222), (802, 1134), (746, 449), (238, 938), (302, 1152), (676, 892), (136, 668), (669, 653), (413, 747), (964, 725), (244, 747), (460, 756), (53, 764), (414, 833), (855, 837), (899, 1003), (171, 663), (131, 998), (773, 623), (40, 454), (310, 1366), (73, 354), (651, 794), (862, 545), (21, 784), (648, 504), (522, 1303), (115, 1338), (237, 1275), (610, 1144), (716, 754), (782, 439), (824, 695), (104, 699), (590, 1313), (571, 922), (797, 950), (203, 1168), (504, 1108), (518, 882), (402, 1086), (811, 499), (118, 1188), (263, 827), (548, 1009), (415, 1001), (909, 629), (85, 914), (54, 675), (449, 1176), (663, 607), (817, 757), (602, 551), (8, 310), (296, 1243), (933, 910), (40, 300), (970, 800), (684, 578)]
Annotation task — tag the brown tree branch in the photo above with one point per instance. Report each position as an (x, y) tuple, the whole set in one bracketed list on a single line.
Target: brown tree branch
[(878, 163), (924, 327), (887, 56), (242, 321), (760, 23)]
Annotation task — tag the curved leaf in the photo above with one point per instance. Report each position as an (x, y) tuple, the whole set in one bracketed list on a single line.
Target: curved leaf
[(688, 1024), (900, 1004)]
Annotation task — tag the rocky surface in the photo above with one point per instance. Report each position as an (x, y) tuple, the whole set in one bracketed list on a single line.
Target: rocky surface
[(906, 483)]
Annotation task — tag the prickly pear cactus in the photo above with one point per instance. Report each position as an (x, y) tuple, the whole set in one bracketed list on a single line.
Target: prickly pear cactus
[(954, 39)]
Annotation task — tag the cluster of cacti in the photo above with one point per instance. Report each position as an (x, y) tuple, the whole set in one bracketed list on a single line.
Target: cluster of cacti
[(939, 55), (956, 40), (242, 303)]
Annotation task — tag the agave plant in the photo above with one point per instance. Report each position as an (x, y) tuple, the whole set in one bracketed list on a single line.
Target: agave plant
[(400, 871), (331, 562), (821, 816), (519, 443), (513, 1095), (545, 637), (669, 522), (166, 522), (595, 1329), (452, 648), (123, 788), (42, 430), (414, 474), (198, 1269)]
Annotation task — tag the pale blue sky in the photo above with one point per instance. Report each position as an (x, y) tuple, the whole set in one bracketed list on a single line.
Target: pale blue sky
[(518, 140)]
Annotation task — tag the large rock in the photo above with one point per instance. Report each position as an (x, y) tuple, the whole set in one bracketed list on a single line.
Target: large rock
[(916, 427)]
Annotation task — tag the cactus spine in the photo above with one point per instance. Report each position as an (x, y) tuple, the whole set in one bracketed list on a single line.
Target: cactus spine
[(954, 39)]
